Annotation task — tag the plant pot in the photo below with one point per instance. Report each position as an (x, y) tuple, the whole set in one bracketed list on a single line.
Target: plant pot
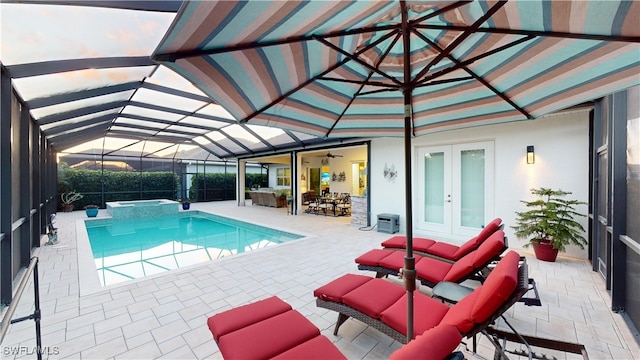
[(186, 206), (545, 251), (91, 212), (67, 207)]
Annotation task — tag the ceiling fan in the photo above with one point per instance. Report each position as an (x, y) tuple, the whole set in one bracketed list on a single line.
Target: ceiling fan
[(330, 155)]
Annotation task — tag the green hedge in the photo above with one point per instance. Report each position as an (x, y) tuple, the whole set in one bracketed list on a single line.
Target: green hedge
[(126, 186), (118, 185)]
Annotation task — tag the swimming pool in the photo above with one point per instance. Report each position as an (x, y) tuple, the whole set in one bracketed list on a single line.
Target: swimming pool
[(129, 249)]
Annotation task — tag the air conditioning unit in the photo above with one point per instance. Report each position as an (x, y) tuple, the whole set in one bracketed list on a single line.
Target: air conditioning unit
[(388, 223)]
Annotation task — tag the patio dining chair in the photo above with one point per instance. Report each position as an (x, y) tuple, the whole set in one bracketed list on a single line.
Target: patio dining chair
[(345, 205), (311, 200), (323, 205)]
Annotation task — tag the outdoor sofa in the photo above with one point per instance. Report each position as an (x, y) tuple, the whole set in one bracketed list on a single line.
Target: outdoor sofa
[(266, 198)]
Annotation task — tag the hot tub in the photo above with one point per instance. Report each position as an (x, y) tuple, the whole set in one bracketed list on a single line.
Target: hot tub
[(142, 208)]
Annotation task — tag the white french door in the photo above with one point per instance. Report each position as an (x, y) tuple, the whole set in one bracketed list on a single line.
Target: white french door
[(455, 188)]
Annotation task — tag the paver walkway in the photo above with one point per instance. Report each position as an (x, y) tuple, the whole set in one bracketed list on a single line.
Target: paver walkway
[(164, 316)]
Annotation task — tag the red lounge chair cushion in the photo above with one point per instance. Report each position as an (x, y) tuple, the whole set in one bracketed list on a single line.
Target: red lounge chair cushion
[(422, 244), (373, 257), (318, 348), (489, 229), (373, 297), (427, 313), (395, 242), (237, 318), (460, 314), (395, 260), (444, 250), (400, 242), (476, 241), (335, 290), (489, 249), (498, 287), (432, 270), (434, 344), (268, 338), (452, 252), (460, 269)]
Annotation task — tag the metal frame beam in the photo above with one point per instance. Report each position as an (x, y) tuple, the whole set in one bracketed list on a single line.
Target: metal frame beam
[(149, 5), (6, 287), (58, 66)]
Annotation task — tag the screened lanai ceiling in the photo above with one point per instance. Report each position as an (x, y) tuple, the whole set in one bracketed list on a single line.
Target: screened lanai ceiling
[(84, 70)]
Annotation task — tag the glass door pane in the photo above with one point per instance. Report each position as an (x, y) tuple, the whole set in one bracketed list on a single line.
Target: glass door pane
[(434, 189), (472, 188)]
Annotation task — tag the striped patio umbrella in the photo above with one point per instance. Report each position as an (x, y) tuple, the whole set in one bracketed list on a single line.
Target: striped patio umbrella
[(402, 68)]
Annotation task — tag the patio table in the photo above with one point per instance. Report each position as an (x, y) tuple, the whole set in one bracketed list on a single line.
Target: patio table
[(334, 201)]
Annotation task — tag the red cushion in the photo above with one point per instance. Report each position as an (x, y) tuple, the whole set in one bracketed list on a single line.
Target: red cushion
[(489, 249), (400, 242), (335, 290), (444, 250), (427, 313), (471, 244), (267, 338), (498, 287), (461, 269), (395, 260), (317, 348), (489, 229), (422, 244), (465, 248), (373, 257), (434, 344), (431, 269), (395, 242), (373, 297), (234, 319), (461, 314)]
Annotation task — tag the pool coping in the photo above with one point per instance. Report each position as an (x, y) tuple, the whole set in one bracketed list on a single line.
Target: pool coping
[(89, 281)]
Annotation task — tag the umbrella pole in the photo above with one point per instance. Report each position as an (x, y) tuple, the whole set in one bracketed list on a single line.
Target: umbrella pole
[(409, 271)]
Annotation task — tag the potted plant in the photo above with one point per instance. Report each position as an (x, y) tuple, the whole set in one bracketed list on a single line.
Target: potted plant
[(186, 204), (281, 196), (550, 223), (68, 198), (91, 210)]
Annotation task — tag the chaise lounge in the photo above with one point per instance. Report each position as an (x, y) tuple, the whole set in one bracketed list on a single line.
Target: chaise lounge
[(430, 271), (382, 304), (444, 250), (270, 328)]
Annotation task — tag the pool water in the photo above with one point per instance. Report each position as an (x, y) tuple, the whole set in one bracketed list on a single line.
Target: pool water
[(130, 249)]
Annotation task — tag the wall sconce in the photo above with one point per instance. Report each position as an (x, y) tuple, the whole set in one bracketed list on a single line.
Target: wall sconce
[(303, 178), (531, 155)]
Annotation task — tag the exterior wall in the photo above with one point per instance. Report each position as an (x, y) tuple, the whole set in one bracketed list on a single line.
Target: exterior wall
[(562, 161)]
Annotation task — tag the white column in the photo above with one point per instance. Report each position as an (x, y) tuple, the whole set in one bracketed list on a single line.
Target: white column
[(241, 173)]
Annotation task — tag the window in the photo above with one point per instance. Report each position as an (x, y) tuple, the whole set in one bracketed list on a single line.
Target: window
[(283, 176)]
